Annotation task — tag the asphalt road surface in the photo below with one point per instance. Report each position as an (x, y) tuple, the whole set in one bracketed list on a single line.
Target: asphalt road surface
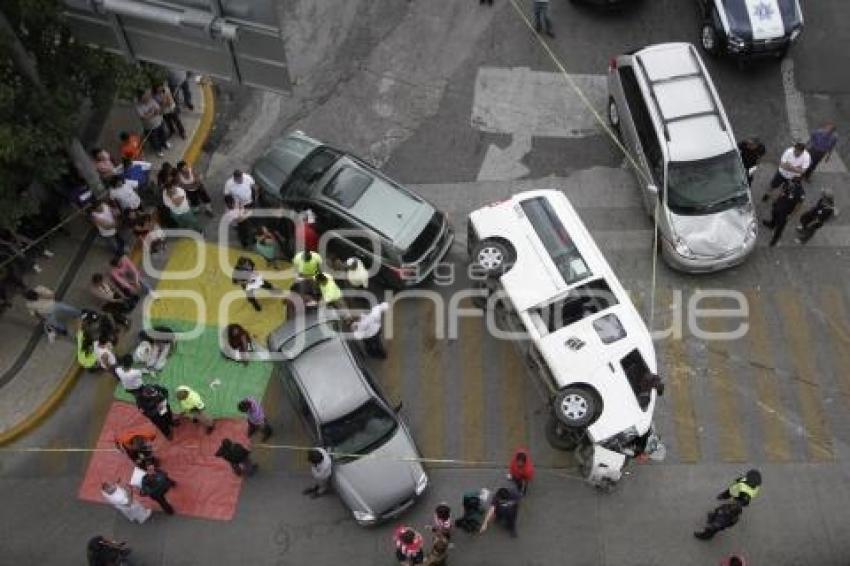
[(463, 103)]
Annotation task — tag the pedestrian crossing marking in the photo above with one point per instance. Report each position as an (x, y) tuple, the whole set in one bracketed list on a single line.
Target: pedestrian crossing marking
[(833, 306), (514, 383), (798, 340), (687, 439), (773, 426), (472, 386), (393, 365), (725, 391), (431, 376)]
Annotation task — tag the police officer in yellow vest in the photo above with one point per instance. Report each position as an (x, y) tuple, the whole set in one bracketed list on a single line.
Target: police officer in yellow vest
[(330, 291), (744, 489)]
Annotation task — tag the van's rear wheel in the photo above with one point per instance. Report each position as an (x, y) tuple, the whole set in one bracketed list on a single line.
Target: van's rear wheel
[(492, 257), (613, 114), (575, 407)]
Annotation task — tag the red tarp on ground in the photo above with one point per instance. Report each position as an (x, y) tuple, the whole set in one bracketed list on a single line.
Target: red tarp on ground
[(206, 485)]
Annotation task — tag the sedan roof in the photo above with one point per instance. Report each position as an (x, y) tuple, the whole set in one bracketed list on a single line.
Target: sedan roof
[(330, 379)]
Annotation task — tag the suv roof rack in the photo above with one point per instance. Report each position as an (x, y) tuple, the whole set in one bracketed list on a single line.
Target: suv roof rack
[(715, 110)]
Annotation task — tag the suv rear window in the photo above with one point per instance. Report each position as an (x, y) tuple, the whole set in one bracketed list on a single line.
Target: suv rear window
[(580, 303), (555, 239)]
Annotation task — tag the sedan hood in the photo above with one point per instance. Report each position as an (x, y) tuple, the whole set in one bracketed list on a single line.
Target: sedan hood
[(382, 480), (713, 235)]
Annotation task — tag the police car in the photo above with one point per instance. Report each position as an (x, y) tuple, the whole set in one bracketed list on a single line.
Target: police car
[(749, 27)]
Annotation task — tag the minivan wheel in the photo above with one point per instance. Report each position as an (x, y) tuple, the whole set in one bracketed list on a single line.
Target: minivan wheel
[(613, 114), (708, 39), (492, 257), (575, 407)]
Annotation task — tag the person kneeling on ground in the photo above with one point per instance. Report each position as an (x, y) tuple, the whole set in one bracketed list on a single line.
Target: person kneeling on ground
[(240, 343), (321, 468), (237, 456), (153, 352)]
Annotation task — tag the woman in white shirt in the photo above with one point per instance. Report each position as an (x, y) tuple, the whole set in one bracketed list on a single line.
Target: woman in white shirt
[(195, 190), (178, 204), (106, 221)]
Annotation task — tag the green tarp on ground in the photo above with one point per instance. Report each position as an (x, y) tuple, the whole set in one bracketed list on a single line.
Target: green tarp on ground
[(199, 364)]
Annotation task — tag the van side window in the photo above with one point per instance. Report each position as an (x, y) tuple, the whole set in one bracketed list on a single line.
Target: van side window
[(643, 123)]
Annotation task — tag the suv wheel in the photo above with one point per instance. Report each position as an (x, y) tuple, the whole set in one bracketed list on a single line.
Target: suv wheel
[(575, 407), (493, 257), (708, 39), (613, 115)]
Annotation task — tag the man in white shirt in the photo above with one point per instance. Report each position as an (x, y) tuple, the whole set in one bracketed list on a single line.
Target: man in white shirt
[(368, 329), (130, 378), (241, 187), (321, 468), (123, 192), (793, 164)]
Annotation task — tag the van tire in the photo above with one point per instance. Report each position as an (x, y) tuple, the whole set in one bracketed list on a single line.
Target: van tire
[(493, 257), (613, 115), (575, 406)]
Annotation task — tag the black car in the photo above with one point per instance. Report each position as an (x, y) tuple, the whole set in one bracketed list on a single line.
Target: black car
[(749, 28), (391, 229)]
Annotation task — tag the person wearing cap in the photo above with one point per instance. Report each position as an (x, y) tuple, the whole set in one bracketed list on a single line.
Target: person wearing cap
[(812, 220), (192, 405), (307, 263), (744, 489), (241, 187), (152, 401), (821, 144), (408, 546), (794, 162), (784, 206)]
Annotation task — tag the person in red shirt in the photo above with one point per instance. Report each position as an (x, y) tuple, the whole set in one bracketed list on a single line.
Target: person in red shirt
[(131, 145), (305, 231), (408, 546), (521, 470), (137, 444)]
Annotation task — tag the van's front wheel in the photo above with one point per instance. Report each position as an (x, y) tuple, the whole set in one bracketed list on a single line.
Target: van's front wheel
[(575, 407), (493, 257)]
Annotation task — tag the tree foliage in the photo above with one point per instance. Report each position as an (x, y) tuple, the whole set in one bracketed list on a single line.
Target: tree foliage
[(37, 124)]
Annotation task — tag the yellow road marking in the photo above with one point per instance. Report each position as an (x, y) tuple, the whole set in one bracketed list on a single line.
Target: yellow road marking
[(514, 387), (773, 425), (833, 306), (801, 350), (725, 393), (687, 439), (431, 378), (472, 388)]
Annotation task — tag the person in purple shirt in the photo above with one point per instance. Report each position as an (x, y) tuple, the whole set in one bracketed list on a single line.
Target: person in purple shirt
[(255, 416), (821, 144)]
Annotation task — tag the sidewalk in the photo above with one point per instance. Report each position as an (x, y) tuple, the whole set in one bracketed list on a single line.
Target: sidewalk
[(35, 374)]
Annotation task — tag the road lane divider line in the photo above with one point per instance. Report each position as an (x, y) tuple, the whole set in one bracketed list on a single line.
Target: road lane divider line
[(431, 377), (472, 386)]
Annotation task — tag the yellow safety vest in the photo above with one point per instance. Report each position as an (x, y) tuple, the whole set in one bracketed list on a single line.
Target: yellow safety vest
[(330, 290), (192, 401), (307, 268), (86, 359), (740, 487)]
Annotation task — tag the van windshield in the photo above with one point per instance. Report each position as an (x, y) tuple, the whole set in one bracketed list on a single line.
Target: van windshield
[(555, 239), (707, 185)]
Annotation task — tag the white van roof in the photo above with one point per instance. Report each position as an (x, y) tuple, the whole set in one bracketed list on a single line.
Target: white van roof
[(693, 122)]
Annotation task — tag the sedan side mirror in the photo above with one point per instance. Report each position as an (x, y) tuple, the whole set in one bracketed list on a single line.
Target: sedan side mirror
[(652, 189)]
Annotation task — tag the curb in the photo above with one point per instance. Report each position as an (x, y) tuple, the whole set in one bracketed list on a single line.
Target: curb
[(190, 155)]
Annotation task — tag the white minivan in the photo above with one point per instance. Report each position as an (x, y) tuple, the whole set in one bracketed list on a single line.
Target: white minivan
[(585, 340)]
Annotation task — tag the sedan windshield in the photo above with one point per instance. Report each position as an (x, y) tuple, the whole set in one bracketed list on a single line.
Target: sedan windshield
[(360, 431), (707, 185)]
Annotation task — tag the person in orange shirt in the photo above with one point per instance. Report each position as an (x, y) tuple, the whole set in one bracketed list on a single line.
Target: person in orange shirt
[(131, 145), (137, 444)]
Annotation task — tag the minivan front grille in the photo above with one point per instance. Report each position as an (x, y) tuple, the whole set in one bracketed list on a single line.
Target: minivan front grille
[(425, 240)]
